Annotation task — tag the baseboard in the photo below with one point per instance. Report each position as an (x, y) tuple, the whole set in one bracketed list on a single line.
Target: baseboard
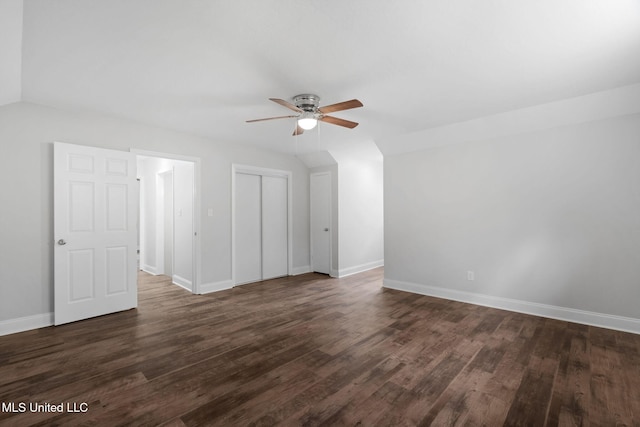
[(182, 282), (21, 324), (149, 269), (619, 323), (206, 288), (343, 272), (300, 270)]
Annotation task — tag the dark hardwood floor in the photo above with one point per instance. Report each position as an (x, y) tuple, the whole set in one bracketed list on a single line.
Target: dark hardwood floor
[(309, 350)]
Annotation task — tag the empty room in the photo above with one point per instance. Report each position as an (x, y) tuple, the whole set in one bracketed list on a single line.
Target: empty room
[(320, 213)]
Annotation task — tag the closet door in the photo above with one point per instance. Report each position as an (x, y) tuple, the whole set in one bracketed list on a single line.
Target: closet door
[(321, 222), (248, 228), (274, 227)]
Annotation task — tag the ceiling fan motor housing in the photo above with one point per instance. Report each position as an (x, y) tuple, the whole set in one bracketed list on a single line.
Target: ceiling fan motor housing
[(307, 102)]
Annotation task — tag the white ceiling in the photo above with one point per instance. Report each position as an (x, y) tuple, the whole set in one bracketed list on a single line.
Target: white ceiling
[(206, 66)]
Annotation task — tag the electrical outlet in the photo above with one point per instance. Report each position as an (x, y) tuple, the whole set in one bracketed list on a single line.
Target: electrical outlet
[(471, 275)]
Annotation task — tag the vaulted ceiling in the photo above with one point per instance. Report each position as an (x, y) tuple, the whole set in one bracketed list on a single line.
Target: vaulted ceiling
[(206, 66)]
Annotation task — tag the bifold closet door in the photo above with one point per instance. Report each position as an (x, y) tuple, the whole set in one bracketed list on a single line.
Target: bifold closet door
[(274, 227), (248, 228)]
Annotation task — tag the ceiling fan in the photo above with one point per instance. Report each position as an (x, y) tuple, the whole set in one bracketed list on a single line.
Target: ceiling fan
[(306, 105)]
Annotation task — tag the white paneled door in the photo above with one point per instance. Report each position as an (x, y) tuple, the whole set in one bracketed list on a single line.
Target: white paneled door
[(95, 233), (261, 226)]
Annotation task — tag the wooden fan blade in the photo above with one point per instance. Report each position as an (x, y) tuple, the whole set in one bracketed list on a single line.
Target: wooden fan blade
[(346, 105), (298, 131), (286, 104), (270, 118), (339, 122)]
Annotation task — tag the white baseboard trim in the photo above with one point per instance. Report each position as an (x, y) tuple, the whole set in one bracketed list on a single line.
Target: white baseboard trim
[(21, 324), (149, 269), (300, 270), (207, 288), (182, 282), (602, 320), (343, 272)]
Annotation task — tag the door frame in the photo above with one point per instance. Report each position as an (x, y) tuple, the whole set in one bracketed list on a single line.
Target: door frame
[(311, 218), (197, 203), (255, 170)]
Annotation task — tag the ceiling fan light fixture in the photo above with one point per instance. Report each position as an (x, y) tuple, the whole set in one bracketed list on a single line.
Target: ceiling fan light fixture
[(307, 121)]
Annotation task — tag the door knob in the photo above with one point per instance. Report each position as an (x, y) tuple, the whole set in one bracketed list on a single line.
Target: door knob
[(62, 242), (326, 229)]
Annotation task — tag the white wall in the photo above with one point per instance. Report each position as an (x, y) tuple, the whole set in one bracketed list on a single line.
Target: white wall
[(357, 206), (361, 208), (183, 224), (548, 220), (26, 246)]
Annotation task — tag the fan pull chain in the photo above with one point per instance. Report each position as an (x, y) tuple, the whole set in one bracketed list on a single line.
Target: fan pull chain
[(318, 147)]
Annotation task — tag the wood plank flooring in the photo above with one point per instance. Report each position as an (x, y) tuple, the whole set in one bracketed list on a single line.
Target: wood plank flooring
[(314, 351)]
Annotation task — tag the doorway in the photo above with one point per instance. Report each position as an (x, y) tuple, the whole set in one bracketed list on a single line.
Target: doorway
[(169, 217)]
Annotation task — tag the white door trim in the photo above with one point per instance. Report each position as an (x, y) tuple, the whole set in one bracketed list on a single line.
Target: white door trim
[(197, 203), (311, 234), (255, 170)]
